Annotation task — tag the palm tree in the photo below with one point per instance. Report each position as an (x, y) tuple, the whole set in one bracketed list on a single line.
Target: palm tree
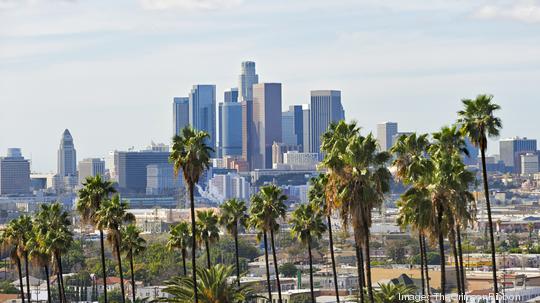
[(180, 238), (360, 179), (257, 222), (10, 243), (111, 216), (191, 154), (214, 286), (272, 208), (411, 166), (307, 225), (207, 230), (37, 252), (94, 191), (233, 216), (132, 244), (478, 122), (20, 232), (391, 293), (317, 195)]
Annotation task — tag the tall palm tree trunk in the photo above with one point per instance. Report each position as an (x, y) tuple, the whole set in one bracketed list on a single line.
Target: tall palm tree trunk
[(368, 267), (276, 269), (422, 264), (184, 261), (207, 253), (360, 269), (490, 222), (441, 253), (193, 240), (59, 285), (48, 279), (460, 254), (452, 241), (133, 274), (311, 272), (61, 272), (103, 266), (27, 276), (267, 267), (236, 254), (120, 271), (334, 270), (426, 268), (21, 286)]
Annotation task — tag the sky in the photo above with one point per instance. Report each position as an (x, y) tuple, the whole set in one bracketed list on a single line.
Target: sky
[(108, 70)]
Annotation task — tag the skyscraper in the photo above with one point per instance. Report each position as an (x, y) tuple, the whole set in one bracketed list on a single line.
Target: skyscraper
[(67, 156), (248, 77), (385, 134), (267, 122), (230, 127), (306, 122), (202, 110), (132, 168), (511, 150), (292, 125), (14, 173), (91, 167), (180, 114), (325, 108)]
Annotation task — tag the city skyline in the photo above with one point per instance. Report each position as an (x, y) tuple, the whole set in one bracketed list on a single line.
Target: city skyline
[(402, 63)]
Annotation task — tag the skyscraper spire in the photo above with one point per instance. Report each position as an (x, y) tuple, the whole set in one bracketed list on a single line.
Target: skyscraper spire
[(248, 77)]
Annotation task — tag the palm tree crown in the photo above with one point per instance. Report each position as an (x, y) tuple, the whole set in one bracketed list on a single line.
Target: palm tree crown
[(478, 120)]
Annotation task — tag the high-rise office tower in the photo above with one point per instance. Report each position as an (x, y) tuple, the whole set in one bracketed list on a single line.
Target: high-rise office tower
[(306, 137), (385, 134), (202, 110), (325, 108), (267, 122), (248, 77), (230, 127), (91, 167), (292, 125), (231, 95), (14, 173), (248, 127), (67, 156), (131, 168), (511, 150), (180, 114)]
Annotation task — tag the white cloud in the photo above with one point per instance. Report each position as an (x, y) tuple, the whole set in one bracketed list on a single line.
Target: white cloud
[(525, 12), (189, 4)]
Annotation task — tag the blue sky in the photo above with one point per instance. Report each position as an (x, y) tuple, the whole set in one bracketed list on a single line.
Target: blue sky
[(108, 70)]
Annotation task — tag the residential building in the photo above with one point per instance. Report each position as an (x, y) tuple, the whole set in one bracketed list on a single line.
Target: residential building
[(301, 161), (14, 173), (385, 134), (227, 186), (278, 149), (325, 108), (180, 114)]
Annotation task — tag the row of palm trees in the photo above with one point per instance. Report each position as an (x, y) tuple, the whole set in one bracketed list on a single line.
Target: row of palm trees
[(99, 206), (437, 204), (40, 240)]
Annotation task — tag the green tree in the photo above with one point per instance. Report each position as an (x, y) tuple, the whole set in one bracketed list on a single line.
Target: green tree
[(288, 270), (11, 242), (180, 238), (317, 195), (111, 216), (132, 244), (207, 230), (233, 217), (91, 195), (191, 154), (306, 225), (478, 122), (391, 293)]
